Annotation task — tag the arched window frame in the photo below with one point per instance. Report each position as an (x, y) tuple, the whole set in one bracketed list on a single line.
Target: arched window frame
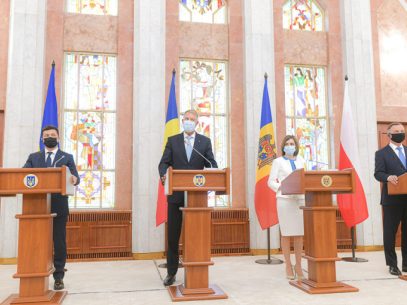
[(212, 104), (92, 7), (291, 15), (91, 142), (202, 11), (315, 141)]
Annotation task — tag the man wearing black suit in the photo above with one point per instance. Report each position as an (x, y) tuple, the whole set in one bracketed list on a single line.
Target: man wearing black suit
[(390, 162), (52, 156), (181, 152)]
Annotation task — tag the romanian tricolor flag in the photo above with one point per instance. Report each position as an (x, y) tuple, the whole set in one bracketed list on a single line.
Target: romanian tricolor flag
[(171, 129), (264, 197)]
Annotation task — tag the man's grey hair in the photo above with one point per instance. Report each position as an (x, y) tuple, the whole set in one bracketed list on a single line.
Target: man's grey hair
[(393, 124), (193, 112)]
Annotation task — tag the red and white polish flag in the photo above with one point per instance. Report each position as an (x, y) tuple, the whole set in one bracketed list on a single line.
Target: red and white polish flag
[(353, 206)]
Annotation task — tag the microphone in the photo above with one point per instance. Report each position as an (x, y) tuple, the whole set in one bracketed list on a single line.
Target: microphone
[(318, 162), (206, 159), (55, 163)]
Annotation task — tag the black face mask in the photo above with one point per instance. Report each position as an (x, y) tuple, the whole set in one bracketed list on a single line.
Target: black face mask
[(50, 142), (398, 137)]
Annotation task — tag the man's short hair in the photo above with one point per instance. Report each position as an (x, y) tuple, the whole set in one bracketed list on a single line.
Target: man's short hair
[(49, 127), (193, 112), (393, 124)]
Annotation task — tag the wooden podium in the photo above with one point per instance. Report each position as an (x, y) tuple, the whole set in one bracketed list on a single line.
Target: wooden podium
[(196, 256), (320, 225), (399, 189), (34, 262)]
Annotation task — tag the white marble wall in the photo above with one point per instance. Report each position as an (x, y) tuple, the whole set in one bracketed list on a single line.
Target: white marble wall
[(148, 121), (358, 65), (259, 58), (23, 104)]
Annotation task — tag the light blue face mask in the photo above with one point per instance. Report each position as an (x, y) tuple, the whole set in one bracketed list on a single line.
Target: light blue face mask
[(189, 126), (289, 150)]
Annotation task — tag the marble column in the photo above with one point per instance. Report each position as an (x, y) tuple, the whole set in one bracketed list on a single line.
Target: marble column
[(358, 65), (259, 58), (148, 121), (24, 100)]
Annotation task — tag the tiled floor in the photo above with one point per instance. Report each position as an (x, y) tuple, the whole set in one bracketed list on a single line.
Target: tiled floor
[(245, 282)]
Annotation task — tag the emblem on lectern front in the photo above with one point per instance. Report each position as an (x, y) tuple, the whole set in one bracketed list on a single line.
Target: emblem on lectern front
[(326, 181), (199, 180), (30, 181)]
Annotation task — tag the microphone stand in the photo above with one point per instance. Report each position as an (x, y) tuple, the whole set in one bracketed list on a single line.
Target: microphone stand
[(269, 260), (353, 258)]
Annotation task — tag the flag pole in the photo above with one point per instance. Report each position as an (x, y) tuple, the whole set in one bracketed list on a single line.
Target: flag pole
[(353, 258), (270, 260), (164, 265)]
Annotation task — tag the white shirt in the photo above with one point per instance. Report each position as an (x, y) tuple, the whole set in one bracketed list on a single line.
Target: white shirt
[(394, 147), (280, 169), (191, 140), (54, 153)]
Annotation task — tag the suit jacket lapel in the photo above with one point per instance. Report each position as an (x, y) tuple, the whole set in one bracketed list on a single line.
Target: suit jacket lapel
[(42, 162), (57, 157), (405, 155), (197, 144)]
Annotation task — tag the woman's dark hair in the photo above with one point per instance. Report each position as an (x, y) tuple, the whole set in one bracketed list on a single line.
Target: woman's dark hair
[(285, 140)]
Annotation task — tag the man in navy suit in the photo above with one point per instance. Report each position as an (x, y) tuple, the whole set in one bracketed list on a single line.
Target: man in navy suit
[(181, 152), (52, 156), (390, 162)]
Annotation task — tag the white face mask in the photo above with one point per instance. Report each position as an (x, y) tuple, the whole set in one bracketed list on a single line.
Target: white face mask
[(189, 126), (289, 150)]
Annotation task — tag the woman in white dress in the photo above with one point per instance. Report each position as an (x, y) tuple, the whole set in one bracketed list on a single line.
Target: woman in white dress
[(290, 215)]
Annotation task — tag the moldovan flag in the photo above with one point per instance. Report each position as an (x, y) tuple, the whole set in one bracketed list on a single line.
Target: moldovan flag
[(50, 116), (264, 197), (353, 206), (171, 129)]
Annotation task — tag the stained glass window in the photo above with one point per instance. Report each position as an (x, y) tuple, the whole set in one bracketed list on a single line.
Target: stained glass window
[(203, 87), (303, 15), (307, 113), (92, 7), (205, 11), (90, 126)]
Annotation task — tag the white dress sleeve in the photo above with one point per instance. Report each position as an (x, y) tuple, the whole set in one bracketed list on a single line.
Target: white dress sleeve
[(273, 181)]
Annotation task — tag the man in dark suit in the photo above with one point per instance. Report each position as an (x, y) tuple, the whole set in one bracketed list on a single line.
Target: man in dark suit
[(187, 150), (52, 156), (390, 162)]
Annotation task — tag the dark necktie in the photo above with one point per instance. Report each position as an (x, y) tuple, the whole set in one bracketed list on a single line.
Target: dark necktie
[(49, 161)]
